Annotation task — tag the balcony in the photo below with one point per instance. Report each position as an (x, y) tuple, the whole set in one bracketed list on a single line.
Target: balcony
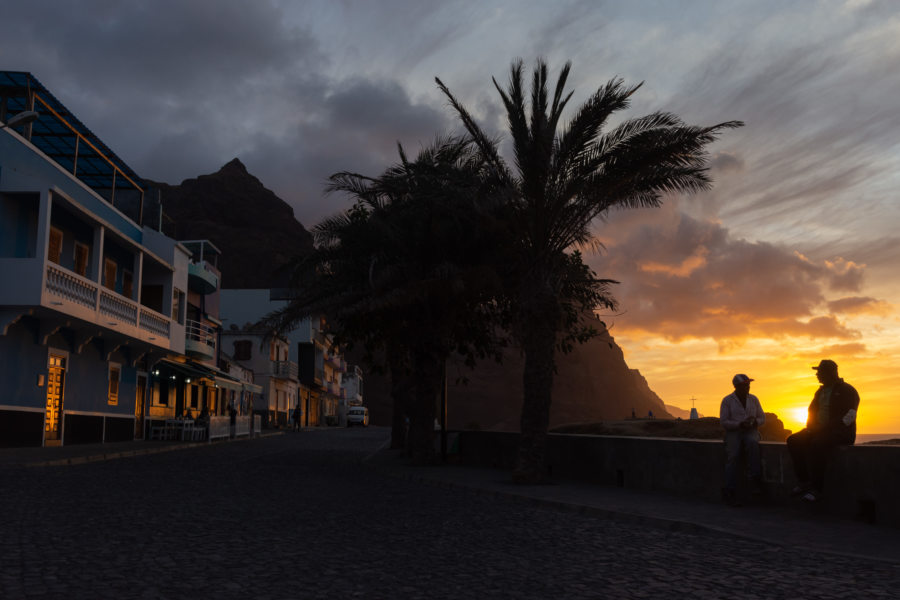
[(203, 278), (284, 369), (199, 340), (77, 296)]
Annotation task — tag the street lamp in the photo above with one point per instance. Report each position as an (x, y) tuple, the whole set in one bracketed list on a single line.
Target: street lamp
[(22, 118)]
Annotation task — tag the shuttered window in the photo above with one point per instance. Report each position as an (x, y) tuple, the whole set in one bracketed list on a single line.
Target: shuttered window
[(81, 258), (109, 274), (54, 248)]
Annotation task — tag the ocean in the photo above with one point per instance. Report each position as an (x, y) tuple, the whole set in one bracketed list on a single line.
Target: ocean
[(862, 438)]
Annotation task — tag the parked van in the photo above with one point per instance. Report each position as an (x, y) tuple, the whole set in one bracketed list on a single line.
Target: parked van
[(358, 415)]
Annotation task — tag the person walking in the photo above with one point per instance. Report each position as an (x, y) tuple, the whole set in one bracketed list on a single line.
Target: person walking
[(831, 422), (741, 415), (298, 413)]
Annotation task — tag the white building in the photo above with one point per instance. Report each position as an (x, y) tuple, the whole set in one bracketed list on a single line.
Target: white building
[(320, 365), (105, 323)]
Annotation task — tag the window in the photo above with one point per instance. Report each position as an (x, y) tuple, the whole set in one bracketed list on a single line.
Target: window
[(109, 274), (243, 350), (82, 252), (177, 303), (127, 283), (272, 352), (115, 373), (54, 248)]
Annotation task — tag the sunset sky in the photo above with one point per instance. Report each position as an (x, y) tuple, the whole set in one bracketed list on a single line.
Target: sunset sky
[(792, 257)]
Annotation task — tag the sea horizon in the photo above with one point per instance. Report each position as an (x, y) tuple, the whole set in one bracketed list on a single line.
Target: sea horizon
[(863, 438)]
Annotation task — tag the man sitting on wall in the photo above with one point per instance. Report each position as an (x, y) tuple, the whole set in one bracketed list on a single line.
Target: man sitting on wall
[(741, 416), (831, 423)]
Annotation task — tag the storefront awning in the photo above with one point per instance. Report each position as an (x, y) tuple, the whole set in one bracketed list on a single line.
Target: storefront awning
[(252, 387), (187, 369), (229, 383), (197, 371)]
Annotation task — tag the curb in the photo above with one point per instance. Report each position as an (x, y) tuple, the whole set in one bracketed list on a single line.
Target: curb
[(91, 458)]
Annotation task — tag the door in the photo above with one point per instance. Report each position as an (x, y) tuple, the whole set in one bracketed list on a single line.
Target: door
[(139, 397), (56, 379)]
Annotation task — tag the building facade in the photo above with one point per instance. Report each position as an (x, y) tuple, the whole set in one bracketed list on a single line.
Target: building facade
[(105, 323)]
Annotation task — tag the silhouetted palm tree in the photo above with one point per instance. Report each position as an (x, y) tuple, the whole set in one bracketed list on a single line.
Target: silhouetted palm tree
[(561, 182), (404, 273)]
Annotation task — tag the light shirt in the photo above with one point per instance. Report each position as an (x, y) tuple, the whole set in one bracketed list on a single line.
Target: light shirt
[(731, 413)]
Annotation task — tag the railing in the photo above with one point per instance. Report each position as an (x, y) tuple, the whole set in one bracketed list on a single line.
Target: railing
[(83, 292), (219, 427), (285, 368), (71, 287), (201, 333), (242, 426), (118, 308), (154, 323)]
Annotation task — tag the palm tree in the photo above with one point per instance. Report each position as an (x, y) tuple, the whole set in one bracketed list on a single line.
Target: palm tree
[(563, 179), (403, 273)]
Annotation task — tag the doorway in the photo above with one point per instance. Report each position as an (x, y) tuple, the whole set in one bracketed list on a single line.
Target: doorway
[(139, 397), (53, 417)]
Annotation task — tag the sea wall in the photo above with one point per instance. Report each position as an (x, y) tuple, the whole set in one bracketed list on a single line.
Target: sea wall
[(862, 482)]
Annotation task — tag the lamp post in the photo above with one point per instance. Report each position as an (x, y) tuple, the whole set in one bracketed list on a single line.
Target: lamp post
[(22, 118)]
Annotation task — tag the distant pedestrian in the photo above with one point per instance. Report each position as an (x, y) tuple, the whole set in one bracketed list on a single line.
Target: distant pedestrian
[(741, 415), (232, 414), (298, 413), (831, 422)]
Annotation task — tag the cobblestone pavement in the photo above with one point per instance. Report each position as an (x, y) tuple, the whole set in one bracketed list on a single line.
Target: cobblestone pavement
[(297, 516)]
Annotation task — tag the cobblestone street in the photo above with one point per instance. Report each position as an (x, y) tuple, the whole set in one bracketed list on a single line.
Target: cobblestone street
[(298, 516)]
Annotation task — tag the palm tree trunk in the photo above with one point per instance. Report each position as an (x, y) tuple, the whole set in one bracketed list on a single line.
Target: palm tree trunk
[(427, 375), (538, 344), (400, 394)]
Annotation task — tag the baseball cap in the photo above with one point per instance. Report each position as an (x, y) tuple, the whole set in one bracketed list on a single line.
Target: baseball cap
[(740, 378), (828, 365)]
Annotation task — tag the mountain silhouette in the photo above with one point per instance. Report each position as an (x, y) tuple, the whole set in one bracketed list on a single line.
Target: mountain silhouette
[(255, 229)]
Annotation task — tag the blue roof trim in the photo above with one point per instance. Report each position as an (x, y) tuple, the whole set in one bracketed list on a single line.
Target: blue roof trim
[(53, 134)]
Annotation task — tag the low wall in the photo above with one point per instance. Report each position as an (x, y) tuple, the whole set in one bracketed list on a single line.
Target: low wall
[(862, 482)]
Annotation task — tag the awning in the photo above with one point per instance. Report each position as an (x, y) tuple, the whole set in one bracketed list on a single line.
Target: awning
[(197, 371), (187, 369), (252, 387), (227, 382)]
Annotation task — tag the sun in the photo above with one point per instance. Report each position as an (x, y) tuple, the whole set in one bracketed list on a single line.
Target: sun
[(799, 414)]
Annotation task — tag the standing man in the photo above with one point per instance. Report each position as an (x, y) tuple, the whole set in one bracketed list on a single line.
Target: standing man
[(741, 415), (831, 422), (298, 414)]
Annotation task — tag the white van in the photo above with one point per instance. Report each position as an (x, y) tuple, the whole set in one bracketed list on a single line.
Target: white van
[(358, 415)]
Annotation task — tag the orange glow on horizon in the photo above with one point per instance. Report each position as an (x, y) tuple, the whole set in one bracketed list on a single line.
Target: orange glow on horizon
[(783, 379)]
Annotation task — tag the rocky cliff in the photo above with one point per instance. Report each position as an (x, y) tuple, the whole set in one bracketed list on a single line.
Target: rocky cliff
[(255, 229), (593, 383)]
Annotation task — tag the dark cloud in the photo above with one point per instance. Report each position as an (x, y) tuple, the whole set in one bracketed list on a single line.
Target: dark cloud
[(179, 89)]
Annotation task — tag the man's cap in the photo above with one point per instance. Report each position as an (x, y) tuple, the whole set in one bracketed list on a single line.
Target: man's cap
[(740, 378), (828, 365)]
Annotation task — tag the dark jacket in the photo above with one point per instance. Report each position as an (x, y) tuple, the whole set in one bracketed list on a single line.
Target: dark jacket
[(843, 398)]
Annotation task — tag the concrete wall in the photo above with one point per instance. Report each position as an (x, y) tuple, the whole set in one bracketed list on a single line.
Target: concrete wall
[(862, 482)]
